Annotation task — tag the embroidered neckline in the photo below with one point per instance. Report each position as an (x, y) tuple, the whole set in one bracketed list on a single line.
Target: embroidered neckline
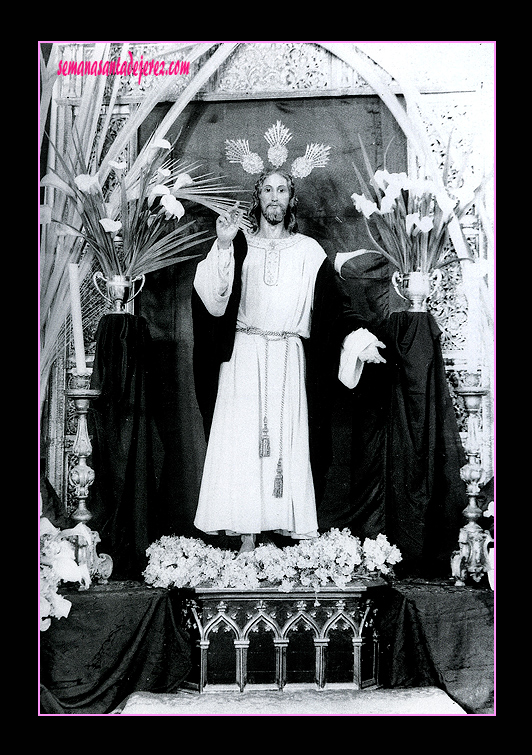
[(272, 244)]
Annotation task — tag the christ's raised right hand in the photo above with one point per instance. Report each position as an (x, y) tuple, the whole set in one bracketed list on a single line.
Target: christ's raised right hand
[(227, 225)]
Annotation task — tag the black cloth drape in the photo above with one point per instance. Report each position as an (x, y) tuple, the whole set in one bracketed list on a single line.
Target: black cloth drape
[(214, 338), (127, 450), (117, 639), (434, 634), (406, 449), (426, 495), (123, 638)]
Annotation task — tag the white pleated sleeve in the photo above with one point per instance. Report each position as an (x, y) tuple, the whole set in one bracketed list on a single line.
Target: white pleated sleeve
[(214, 279)]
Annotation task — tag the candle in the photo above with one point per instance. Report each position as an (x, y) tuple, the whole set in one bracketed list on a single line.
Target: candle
[(473, 329), (75, 299)]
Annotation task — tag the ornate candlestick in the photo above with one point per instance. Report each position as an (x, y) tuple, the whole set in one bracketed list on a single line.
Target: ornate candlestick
[(472, 559), (81, 476)]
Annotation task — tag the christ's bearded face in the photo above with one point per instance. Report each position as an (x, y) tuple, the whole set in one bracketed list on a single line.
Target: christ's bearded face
[(274, 198)]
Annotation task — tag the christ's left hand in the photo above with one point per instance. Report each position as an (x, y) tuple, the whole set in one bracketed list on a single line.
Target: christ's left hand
[(371, 353)]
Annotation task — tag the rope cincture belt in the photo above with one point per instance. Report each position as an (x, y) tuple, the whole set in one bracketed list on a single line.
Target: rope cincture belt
[(264, 440)]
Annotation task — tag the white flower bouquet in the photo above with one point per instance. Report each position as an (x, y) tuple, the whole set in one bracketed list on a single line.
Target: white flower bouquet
[(412, 216), (336, 558), (57, 565), (135, 228)]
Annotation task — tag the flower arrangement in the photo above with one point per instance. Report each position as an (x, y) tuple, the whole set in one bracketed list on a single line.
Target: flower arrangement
[(335, 558), (135, 229), (91, 135), (57, 565), (412, 216)]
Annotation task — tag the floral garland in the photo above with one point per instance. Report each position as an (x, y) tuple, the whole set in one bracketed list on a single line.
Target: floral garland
[(335, 558)]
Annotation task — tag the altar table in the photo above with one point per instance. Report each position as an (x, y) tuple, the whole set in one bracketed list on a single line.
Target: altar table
[(125, 637)]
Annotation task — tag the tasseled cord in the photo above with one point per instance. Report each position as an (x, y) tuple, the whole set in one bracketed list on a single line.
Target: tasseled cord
[(264, 441), (264, 446), (278, 481)]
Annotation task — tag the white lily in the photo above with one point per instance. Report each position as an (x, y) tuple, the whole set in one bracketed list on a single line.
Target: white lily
[(111, 226), (173, 207), (425, 224), (118, 166), (364, 205), (161, 144), (410, 221), (388, 202), (422, 224), (420, 187), (183, 179), (159, 190), (445, 203), (382, 179), (398, 181), (87, 184)]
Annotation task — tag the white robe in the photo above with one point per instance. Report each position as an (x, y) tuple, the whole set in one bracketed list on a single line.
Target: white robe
[(236, 492)]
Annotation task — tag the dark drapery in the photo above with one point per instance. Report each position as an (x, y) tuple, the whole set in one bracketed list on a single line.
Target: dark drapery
[(434, 634), (214, 339), (118, 639), (406, 452), (123, 638), (127, 451), (426, 495)]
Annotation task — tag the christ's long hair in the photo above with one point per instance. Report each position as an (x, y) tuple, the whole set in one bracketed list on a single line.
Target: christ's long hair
[(290, 220)]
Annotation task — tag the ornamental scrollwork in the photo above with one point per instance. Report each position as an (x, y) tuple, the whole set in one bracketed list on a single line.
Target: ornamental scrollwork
[(271, 66)]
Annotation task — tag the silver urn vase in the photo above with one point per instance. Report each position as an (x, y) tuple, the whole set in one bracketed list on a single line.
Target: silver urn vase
[(416, 287), (119, 289)]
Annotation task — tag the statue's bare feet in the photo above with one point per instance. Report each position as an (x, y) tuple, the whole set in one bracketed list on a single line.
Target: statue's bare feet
[(248, 544)]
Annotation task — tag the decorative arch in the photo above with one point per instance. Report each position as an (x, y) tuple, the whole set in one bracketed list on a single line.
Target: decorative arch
[(261, 618), (303, 618), (217, 622), (331, 624)]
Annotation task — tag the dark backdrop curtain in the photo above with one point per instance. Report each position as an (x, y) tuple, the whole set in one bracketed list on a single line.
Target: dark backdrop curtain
[(426, 494)]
